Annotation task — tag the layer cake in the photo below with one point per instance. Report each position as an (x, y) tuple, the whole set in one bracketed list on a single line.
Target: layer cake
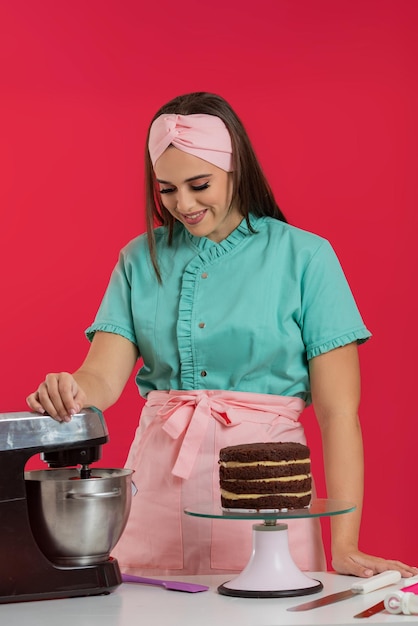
[(265, 476)]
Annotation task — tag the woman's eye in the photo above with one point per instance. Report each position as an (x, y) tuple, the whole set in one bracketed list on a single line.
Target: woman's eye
[(192, 187), (167, 190), (200, 187)]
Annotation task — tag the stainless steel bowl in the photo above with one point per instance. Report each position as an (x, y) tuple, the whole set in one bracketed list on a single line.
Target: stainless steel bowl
[(77, 521)]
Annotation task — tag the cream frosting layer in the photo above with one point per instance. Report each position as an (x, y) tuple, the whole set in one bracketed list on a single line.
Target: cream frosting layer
[(281, 479), (265, 463), (253, 496)]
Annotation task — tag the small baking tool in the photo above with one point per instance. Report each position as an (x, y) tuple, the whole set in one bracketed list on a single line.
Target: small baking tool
[(403, 601), (171, 585), (361, 586), (392, 602)]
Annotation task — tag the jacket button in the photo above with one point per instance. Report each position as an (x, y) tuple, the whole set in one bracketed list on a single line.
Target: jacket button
[(203, 373), (204, 275)]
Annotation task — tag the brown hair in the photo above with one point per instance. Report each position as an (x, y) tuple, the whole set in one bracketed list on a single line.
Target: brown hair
[(251, 191)]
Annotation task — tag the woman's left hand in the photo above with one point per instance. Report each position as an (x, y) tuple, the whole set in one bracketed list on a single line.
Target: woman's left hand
[(358, 563)]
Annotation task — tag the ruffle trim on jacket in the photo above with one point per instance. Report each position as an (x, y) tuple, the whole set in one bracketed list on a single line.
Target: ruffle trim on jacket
[(209, 253), (109, 328), (359, 336)]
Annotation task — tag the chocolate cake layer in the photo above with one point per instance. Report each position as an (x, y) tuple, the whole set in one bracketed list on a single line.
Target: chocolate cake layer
[(238, 487), (269, 451), (268, 502), (247, 472)]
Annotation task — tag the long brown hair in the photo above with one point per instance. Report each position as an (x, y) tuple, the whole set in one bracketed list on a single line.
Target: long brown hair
[(251, 191)]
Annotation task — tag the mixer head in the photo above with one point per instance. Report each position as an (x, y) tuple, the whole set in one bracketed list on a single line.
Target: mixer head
[(69, 457), (35, 432)]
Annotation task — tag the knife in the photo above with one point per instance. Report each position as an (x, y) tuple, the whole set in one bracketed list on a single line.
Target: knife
[(380, 606), (361, 586)]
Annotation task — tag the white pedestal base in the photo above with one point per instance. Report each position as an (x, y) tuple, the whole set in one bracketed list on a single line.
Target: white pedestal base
[(271, 571)]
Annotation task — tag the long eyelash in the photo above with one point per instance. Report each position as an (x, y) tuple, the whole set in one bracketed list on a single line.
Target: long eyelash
[(195, 188)]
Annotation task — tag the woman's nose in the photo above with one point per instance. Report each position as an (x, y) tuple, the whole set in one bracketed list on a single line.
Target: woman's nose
[(185, 200)]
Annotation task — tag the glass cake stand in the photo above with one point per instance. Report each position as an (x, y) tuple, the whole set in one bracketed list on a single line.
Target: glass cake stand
[(271, 571)]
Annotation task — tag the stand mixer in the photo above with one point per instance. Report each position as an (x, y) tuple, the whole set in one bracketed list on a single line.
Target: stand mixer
[(27, 572)]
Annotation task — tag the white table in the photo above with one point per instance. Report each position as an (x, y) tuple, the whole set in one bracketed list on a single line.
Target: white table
[(143, 605)]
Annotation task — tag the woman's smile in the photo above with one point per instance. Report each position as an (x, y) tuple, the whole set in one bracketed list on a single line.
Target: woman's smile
[(193, 218)]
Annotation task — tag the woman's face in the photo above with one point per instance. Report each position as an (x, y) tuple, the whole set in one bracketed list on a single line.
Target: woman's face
[(197, 194)]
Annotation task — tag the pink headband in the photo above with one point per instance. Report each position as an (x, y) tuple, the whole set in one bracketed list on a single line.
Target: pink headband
[(203, 136)]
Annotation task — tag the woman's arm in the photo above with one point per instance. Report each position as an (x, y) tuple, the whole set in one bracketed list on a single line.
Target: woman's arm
[(98, 382), (335, 385)]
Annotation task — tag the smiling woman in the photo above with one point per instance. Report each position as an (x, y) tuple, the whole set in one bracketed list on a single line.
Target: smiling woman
[(241, 320)]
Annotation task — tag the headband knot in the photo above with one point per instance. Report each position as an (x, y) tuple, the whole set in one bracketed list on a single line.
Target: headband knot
[(201, 135)]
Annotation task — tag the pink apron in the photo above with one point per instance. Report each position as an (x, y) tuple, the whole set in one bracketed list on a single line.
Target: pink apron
[(175, 456)]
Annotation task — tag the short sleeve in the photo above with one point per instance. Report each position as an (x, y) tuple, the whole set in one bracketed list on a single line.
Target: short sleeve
[(115, 311), (330, 316)]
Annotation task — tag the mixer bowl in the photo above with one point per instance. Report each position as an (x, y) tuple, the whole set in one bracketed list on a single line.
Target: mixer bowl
[(74, 521)]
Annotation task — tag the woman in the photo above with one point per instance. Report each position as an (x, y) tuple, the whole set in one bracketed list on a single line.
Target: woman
[(240, 320)]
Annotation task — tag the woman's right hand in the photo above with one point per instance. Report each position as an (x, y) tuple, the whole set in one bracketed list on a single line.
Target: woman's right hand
[(59, 396)]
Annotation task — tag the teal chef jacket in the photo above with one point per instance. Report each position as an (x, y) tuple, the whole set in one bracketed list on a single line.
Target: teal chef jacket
[(245, 314)]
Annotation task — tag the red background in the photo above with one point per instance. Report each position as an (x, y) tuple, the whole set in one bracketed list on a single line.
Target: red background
[(328, 92)]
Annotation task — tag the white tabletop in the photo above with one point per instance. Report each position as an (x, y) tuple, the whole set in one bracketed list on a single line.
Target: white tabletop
[(133, 604)]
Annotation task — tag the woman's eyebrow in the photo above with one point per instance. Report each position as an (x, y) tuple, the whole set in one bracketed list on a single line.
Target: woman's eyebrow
[(188, 180)]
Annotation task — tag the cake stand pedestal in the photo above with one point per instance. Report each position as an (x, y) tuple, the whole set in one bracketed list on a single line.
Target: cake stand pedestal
[(271, 571)]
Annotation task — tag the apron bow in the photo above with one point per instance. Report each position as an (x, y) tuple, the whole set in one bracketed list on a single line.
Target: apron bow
[(190, 414)]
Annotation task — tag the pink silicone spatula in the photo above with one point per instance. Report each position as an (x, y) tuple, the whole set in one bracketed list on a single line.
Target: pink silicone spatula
[(171, 585)]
